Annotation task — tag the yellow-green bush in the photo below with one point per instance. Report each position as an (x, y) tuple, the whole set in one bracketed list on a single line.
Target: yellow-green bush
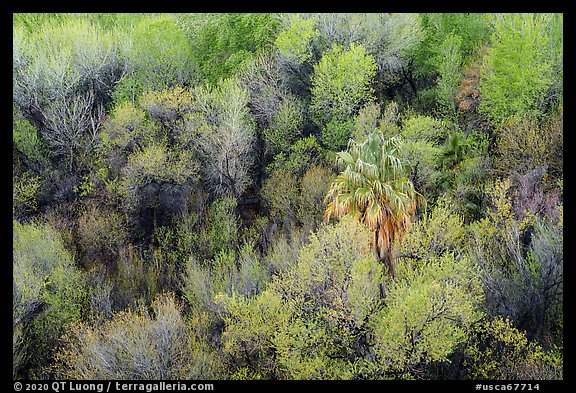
[(429, 310), (100, 233), (499, 351), (310, 321), (25, 193)]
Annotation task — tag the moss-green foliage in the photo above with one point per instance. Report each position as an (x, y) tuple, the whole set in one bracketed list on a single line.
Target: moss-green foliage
[(425, 128), (441, 230), (26, 140), (295, 200), (440, 28), (387, 37), (450, 64), (167, 106), (126, 129), (374, 117), (221, 230), (285, 126), (302, 155), (48, 293), (220, 262), (153, 165), (25, 192)]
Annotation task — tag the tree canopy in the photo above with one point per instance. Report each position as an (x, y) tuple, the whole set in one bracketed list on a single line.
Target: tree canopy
[(327, 196)]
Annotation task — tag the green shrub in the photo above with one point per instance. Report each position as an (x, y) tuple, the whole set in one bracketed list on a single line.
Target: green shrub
[(440, 231), (302, 155), (429, 311), (336, 134), (158, 58), (518, 71), (48, 293), (314, 186), (25, 139), (167, 106), (126, 130), (341, 84), (285, 126), (308, 323), (425, 128), (294, 41)]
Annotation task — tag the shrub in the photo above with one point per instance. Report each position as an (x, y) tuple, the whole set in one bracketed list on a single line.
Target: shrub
[(314, 186), (138, 345), (63, 75), (518, 70), (25, 193), (428, 313), (422, 160), (499, 351), (280, 194), (100, 233), (25, 139), (309, 322), (221, 43), (48, 293), (294, 42), (126, 130), (167, 106), (136, 280), (156, 182), (521, 263), (440, 231), (158, 58), (521, 145), (336, 134), (302, 155), (227, 141), (341, 84), (285, 126), (425, 128)]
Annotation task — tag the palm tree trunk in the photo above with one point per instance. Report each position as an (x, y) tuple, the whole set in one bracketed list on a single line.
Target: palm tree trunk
[(382, 255)]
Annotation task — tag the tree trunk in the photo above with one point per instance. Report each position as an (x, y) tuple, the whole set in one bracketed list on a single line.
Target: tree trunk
[(384, 256)]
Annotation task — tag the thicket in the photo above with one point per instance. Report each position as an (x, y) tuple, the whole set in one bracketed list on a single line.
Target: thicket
[(288, 196)]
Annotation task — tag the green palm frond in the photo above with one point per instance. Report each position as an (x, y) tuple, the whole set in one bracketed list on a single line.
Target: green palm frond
[(345, 158), (374, 189)]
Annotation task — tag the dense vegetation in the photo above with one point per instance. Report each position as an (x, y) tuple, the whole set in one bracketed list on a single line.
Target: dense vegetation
[(288, 196)]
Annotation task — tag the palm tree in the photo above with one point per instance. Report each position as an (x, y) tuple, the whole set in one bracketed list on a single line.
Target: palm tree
[(374, 190)]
